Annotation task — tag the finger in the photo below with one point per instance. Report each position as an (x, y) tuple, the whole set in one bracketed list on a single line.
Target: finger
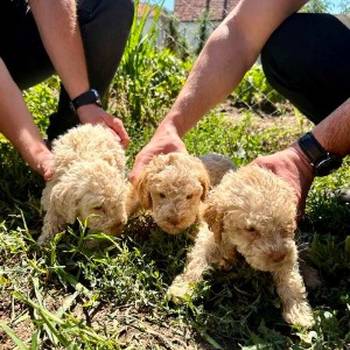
[(135, 172), (47, 173), (122, 132), (140, 162), (117, 125)]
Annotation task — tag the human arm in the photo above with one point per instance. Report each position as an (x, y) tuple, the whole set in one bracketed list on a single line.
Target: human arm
[(59, 29), (17, 125), (229, 52)]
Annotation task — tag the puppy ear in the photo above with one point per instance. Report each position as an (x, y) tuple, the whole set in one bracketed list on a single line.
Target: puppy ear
[(64, 198), (58, 202), (214, 219), (205, 182), (132, 202), (142, 190), (52, 224)]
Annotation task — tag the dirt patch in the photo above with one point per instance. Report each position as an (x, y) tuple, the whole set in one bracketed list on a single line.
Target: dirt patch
[(141, 330), (22, 326)]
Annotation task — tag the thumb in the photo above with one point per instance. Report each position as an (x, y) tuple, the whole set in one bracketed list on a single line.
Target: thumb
[(135, 172), (140, 163)]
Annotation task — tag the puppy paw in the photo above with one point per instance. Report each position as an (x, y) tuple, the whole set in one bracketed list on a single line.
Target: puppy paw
[(225, 264), (311, 276), (42, 240), (178, 292), (299, 314)]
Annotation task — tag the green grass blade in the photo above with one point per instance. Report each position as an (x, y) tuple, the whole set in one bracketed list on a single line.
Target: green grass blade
[(20, 344)]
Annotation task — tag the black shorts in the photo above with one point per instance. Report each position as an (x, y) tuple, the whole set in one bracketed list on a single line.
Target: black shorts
[(307, 59)]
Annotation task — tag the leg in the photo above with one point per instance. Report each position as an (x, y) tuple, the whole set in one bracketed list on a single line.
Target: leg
[(21, 47), (52, 224), (291, 289), (306, 60), (105, 26), (204, 252)]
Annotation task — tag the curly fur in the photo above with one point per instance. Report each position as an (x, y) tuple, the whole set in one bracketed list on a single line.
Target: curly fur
[(251, 211), (173, 186), (89, 182)]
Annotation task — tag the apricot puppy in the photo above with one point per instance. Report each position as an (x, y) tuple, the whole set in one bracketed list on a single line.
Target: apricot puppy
[(173, 187), (252, 211), (89, 182)]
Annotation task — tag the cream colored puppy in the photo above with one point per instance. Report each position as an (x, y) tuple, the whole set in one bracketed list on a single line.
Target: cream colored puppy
[(253, 212), (89, 182), (173, 187)]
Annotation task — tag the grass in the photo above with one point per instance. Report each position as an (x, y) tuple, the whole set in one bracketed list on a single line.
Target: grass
[(69, 296)]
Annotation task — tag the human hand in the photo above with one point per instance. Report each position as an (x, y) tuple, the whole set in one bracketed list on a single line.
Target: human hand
[(292, 166), (165, 140), (94, 114), (46, 165), (40, 159)]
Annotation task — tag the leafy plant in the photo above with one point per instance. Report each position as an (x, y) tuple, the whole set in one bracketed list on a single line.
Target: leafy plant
[(254, 92)]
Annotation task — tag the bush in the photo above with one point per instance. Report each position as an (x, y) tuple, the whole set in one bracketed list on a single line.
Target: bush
[(254, 92), (149, 77)]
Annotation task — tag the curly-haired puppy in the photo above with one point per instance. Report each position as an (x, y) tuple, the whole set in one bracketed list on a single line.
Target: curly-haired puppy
[(173, 186), (89, 182), (251, 211)]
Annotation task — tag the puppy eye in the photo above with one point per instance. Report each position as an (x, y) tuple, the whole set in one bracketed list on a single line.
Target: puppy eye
[(98, 207), (286, 234), (251, 229), (161, 195), (189, 196)]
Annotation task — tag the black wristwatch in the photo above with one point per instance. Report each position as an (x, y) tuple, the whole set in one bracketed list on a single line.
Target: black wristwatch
[(86, 98), (323, 162)]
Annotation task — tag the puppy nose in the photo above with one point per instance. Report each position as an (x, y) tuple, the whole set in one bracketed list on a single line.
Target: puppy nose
[(173, 221), (277, 256)]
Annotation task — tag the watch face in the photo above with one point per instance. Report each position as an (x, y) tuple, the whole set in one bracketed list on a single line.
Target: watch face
[(327, 166)]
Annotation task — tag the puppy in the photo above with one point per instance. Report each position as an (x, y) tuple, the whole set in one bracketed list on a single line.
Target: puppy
[(173, 187), (253, 212), (89, 182)]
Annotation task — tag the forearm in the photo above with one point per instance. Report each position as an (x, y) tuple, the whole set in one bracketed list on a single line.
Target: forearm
[(59, 30), (15, 120), (17, 125), (333, 132), (218, 70), (230, 51)]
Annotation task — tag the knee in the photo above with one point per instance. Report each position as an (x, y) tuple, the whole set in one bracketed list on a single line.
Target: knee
[(117, 12)]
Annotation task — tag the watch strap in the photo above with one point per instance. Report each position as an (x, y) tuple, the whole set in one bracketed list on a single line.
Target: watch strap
[(89, 97), (312, 148), (322, 161)]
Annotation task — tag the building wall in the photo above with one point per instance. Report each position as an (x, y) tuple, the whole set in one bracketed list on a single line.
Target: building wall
[(161, 27), (190, 31), (190, 12)]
